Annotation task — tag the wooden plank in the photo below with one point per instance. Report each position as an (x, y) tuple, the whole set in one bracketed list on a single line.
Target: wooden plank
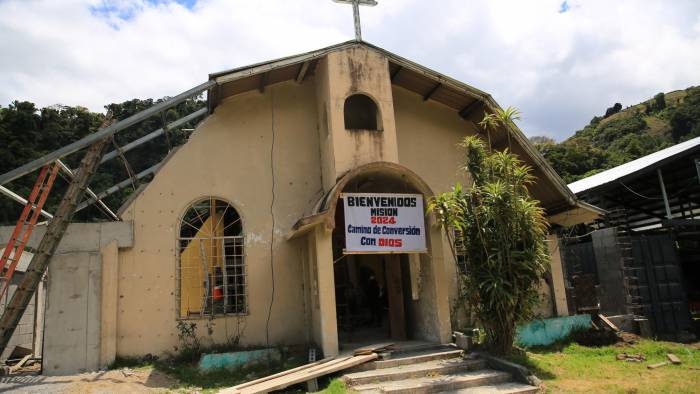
[(372, 348), (657, 365), (397, 318), (608, 322), (673, 358), (304, 375), (302, 369), (20, 363), (302, 72), (283, 373)]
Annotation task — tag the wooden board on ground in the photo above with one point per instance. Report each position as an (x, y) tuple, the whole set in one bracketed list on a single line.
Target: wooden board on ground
[(300, 374), (673, 358), (373, 348), (657, 365), (608, 322), (21, 363)]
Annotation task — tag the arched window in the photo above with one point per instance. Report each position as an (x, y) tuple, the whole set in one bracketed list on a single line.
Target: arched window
[(361, 113), (212, 274)]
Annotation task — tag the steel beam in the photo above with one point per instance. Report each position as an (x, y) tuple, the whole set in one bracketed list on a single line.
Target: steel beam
[(89, 192), (117, 187), (103, 133), (9, 193), (663, 193), (133, 144)]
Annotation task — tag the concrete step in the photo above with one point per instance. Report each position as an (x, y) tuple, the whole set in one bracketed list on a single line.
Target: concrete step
[(408, 358), (503, 388), (428, 368), (437, 383)]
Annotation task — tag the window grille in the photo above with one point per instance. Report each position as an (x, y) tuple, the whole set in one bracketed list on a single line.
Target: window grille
[(212, 272)]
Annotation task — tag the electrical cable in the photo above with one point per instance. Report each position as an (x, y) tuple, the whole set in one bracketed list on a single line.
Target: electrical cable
[(272, 214)]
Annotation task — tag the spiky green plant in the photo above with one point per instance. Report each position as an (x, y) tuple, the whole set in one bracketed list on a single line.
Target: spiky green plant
[(504, 234)]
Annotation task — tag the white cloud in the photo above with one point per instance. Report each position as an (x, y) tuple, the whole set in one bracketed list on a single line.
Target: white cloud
[(560, 69)]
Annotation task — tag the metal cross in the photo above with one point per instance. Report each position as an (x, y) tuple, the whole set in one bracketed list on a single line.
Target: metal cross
[(356, 13)]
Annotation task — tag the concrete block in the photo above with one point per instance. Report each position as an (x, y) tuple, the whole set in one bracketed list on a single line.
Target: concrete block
[(72, 314), (80, 237), (122, 232)]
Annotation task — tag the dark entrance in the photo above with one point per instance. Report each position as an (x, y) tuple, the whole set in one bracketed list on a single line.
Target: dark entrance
[(371, 298)]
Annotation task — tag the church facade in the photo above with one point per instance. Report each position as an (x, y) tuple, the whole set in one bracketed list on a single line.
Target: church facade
[(243, 229)]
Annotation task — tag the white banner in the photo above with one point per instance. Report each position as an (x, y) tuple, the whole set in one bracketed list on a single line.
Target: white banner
[(384, 223)]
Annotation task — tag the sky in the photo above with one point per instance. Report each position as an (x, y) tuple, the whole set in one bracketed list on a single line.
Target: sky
[(559, 63)]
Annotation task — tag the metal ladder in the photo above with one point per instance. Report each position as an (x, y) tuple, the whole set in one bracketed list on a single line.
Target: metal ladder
[(26, 224)]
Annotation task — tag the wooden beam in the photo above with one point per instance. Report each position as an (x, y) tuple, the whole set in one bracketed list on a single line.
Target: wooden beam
[(432, 91), (395, 73), (302, 71), (464, 112), (394, 288), (263, 82)]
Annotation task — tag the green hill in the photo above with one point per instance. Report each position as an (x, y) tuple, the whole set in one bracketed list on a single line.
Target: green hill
[(622, 135)]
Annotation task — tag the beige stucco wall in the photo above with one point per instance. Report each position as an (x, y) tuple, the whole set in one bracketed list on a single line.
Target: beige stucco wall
[(228, 157), (359, 70), (428, 135)]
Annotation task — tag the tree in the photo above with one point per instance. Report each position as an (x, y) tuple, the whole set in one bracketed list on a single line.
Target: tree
[(659, 102), (613, 110), (503, 231)]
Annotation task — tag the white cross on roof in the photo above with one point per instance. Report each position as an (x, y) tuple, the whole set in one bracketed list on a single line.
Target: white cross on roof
[(356, 13)]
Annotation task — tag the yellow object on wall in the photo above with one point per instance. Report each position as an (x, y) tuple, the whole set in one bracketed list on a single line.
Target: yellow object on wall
[(203, 251)]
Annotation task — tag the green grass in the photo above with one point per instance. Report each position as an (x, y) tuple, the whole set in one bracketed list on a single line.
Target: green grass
[(574, 368), (336, 386), (191, 379)]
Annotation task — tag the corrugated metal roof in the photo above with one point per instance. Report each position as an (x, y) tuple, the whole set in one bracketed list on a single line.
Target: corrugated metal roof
[(624, 170)]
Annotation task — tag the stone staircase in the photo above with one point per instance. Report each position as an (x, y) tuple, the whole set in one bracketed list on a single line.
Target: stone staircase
[(431, 369)]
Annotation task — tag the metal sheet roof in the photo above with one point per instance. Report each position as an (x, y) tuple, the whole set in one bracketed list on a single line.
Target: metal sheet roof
[(647, 162)]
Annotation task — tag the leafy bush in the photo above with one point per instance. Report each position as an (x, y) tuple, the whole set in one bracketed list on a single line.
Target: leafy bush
[(503, 231)]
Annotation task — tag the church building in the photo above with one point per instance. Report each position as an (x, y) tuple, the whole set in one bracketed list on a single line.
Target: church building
[(295, 214), (245, 224)]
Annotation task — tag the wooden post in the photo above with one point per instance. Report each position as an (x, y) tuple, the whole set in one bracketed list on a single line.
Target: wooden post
[(397, 318)]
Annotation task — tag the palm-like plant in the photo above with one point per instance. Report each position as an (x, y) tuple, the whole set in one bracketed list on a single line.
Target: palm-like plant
[(504, 234)]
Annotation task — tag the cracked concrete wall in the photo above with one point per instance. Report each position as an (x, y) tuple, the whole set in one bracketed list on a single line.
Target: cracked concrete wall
[(228, 157)]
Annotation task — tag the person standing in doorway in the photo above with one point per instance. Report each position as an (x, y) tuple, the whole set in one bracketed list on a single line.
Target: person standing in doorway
[(374, 303)]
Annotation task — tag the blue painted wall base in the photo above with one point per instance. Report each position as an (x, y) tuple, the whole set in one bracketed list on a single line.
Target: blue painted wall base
[(236, 360), (546, 332)]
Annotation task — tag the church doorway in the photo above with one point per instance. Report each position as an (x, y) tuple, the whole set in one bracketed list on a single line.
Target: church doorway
[(372, 296), (390, 290), (373, 291)]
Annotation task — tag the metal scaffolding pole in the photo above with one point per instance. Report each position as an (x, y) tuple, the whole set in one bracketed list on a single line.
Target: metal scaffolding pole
[(103, 133)]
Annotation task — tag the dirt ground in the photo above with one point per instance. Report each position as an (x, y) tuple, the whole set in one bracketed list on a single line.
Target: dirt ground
[(142, 380)]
